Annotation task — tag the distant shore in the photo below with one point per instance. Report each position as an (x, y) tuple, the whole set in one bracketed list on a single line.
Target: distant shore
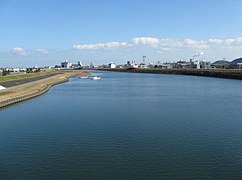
[(35, 88), (216, 73)]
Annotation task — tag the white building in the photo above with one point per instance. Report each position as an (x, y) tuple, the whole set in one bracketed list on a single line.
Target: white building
[(142, 65), (206, 65), (166, 65), (111, 65), (132, 64), (197, 64), (15, 70)]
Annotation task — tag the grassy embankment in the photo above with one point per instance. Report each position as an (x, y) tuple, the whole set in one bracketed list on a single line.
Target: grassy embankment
[(217, 73), (36, 88), (27, 75)]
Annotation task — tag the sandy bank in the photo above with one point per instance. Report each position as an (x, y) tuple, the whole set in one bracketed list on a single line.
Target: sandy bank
[(23, 92)]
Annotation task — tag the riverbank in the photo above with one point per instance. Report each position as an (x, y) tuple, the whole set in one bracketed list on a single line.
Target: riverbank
[(28, 75), (216, 73), (25, 79), (36, 88)]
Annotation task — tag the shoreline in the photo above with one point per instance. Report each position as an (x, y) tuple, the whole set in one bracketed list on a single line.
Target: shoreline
[(27, 91), (215, 73)]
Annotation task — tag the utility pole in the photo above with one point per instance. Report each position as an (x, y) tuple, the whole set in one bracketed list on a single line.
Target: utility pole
[(224, 62)]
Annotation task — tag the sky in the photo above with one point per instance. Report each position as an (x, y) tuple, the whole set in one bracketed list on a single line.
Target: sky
[(46, 32)]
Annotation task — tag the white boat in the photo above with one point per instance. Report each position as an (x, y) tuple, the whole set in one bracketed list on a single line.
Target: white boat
[(83, 77), (96, 78)]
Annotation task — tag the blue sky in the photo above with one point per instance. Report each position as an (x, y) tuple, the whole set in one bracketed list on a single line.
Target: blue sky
[(49, 31)]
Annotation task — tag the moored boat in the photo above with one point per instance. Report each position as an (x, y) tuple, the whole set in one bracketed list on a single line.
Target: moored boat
[(83, 77), (96, 78)]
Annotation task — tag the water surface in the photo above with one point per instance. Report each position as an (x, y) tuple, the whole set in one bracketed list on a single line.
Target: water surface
[(126, 126)]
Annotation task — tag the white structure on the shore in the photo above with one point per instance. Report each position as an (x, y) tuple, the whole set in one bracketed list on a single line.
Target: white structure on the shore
[(167, 65), (202, 65), (15, 70), (132, 64), (142, 65), (206, 65), (2, 88), (197, 64), (112, 65)]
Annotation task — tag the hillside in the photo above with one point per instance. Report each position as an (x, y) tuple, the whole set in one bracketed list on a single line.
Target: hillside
[(236, 61), (221, 62)]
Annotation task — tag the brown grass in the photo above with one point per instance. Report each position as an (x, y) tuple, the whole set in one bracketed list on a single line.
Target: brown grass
[(85, 73)]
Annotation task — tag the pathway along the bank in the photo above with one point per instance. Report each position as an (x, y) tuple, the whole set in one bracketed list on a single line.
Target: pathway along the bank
[(12, 83)]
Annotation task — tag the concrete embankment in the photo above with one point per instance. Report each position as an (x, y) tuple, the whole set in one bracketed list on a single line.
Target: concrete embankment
[(216, 73), (27, 91), (30, 95)]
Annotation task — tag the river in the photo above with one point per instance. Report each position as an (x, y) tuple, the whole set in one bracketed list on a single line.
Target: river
[(126, 126)]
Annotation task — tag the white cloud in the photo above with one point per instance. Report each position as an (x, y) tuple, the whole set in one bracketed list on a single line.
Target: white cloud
[(145, 41), (165, 49), (229, 41), (234, 41), (239, 40), (20, 51), (108, 45), (42, 51), (160, 45), (215, 41), (171, 43), (166, 44), (162, 50), (190, 43)]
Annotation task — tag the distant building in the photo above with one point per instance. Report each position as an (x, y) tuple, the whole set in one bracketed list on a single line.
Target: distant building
[(150, 65), (239, 65), (167, 65), (183, 64), (197, 64), (79, 63), (119, 66), (15, 70), (132, 64), (111, 65), (220, 64), (91, 65), (206, 65), (66, 64), (77, 66), (142, 65), (33, 69)]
